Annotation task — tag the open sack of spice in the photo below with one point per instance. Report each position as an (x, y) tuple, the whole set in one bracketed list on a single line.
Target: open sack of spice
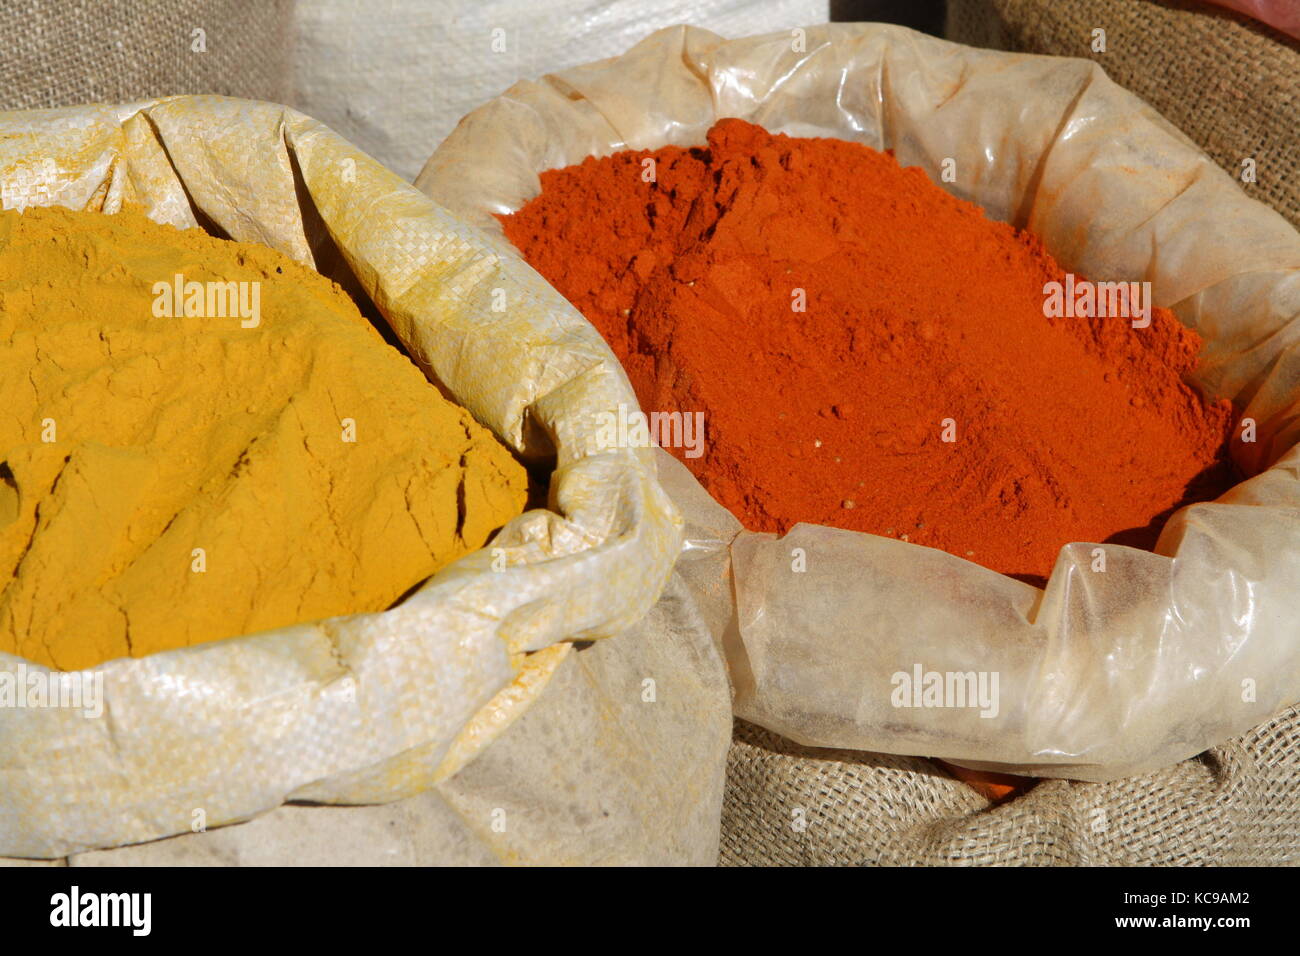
[(253, 544), (975, 623)]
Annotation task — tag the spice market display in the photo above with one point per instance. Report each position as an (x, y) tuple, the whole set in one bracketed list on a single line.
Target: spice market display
[(831, 446)]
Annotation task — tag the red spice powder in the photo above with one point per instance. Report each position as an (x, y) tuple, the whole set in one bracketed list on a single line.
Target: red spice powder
[(918, 309)]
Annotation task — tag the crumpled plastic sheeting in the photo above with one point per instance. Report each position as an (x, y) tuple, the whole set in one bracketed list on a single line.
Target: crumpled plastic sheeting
[(372, 707), (1101, 674)]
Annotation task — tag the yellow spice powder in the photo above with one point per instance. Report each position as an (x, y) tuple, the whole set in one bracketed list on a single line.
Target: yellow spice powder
[(172, 480)]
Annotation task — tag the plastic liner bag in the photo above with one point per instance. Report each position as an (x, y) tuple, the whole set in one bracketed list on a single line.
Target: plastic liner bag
[(1099, 675), (374, 707)]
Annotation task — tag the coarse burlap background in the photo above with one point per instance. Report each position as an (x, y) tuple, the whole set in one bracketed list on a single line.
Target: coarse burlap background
[(789, 805), (85, 51), (1233, 86), (1230, 83)]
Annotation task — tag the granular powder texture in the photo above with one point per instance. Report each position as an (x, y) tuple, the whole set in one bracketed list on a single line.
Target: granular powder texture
[(167, 481), (836, 317)]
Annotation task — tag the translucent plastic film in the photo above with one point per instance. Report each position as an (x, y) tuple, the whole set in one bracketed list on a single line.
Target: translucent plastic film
[(1100, 674)]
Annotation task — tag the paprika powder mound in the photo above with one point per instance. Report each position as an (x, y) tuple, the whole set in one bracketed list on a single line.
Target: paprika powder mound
[(872, 353)]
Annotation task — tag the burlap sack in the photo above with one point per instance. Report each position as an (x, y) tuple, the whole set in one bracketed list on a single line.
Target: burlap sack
[(64, 54), (789, 805), (1230, 83)]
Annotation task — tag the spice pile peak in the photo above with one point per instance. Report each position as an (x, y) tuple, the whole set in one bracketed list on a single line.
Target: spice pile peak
[(203, 439)]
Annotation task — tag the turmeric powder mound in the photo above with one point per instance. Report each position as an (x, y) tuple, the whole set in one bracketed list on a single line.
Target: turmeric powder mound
[(167, 481)]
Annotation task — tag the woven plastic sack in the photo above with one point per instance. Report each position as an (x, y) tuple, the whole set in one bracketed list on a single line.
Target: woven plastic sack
[(1101, 674), (396, 84), (590, 774), (372, 707)]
